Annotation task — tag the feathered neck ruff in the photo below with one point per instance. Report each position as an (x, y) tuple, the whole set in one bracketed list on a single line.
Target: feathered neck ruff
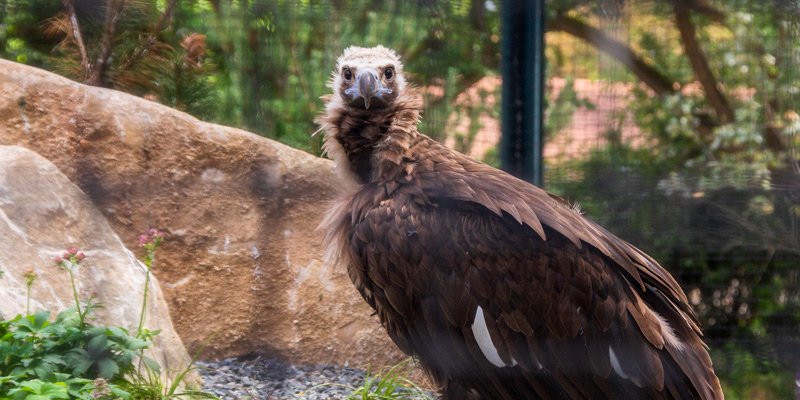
[(370, 145)]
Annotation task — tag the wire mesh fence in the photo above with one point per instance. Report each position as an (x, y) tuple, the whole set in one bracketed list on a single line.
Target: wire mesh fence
[(709, 187), (674, 124)]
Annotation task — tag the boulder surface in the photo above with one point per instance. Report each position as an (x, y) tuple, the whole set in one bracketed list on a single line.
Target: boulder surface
[(241, 266), (42, 213)]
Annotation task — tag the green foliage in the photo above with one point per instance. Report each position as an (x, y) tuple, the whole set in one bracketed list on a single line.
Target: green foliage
[(392, 384), (261, 65), (715, 201), (43, 357), (69, 358), (143, 61), (733, 248), (38, 390), (471, 111), (60, 357), (747, 377), (561, 109), (147, 384)]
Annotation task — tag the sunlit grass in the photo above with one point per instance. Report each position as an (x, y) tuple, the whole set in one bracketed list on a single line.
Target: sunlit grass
[(390, 384)]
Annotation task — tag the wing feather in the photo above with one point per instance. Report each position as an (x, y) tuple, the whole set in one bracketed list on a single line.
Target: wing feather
[(558, 291)]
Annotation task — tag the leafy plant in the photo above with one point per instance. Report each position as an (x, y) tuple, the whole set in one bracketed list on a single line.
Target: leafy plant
[(38, 390), (391, 384), (69, 358), (149, 242)]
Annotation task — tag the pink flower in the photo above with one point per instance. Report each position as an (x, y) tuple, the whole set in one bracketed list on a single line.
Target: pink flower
[(72, 251), (143, 239), (152, 232), (80, 256), (58, 260)]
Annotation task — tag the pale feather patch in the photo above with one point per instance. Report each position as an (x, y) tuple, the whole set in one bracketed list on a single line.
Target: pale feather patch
[(481, 333), (668, 333), (333, 149), (615, 363), (333, 224)]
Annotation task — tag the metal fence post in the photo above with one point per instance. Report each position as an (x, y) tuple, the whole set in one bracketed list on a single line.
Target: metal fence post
[(523, 88)]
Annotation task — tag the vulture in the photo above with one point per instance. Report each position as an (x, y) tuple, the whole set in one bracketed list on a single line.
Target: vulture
[(500, 289)]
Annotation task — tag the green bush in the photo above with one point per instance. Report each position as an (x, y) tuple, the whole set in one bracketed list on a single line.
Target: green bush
[(69, 358)]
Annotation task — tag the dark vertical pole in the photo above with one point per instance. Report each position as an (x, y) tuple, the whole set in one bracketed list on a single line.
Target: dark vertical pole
[(523, 88)]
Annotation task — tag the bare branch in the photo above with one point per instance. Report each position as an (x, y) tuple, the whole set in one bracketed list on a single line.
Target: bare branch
[(622, 53), (113, 12), (700, 7), (76, 35), (152, 37), (699, 63)]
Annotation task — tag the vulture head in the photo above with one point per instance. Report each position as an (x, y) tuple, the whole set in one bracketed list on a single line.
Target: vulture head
[(370, 104), (368, 78)]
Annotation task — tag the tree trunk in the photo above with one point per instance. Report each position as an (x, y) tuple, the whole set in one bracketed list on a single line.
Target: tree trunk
[(113, 12), (78, 37)]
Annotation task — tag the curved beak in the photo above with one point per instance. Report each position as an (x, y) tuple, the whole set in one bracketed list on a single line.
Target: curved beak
[(367, 86)]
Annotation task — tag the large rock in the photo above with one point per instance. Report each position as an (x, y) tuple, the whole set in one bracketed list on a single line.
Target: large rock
[(241, 267), (42, 213)]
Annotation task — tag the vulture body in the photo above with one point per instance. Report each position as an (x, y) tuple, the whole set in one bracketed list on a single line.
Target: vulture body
[(501, 290)]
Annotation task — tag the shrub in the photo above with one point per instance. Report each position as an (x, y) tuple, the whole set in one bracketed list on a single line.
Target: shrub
[(70, 358)]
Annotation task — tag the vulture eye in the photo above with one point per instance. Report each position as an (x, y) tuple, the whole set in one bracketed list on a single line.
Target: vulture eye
[(348, 74), (388, 73)]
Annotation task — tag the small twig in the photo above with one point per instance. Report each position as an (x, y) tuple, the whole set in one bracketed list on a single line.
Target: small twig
[(76, 35), (151, 38)]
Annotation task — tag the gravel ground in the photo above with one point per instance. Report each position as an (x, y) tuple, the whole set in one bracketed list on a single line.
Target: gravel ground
[(269, 379)]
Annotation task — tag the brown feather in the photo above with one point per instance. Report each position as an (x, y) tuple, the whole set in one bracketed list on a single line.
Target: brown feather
[(428, 236)]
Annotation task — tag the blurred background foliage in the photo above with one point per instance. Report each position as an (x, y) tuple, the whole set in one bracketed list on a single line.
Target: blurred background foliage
[(674, 123)]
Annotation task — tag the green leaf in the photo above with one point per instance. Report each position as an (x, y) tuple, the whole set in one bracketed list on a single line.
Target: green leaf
[(79, 361), (79, 387), (97, 345), (38, 390), (116, 391), (53, 359), (61, 377), (107, 368), (151, 364), (43, 370), (118, 331), (29, 325)]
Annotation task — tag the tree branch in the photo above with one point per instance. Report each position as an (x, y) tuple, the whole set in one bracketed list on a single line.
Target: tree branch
[(701, 8), (654, 79), (76, 35), (113, 12), (699, 63), (152, 37)]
